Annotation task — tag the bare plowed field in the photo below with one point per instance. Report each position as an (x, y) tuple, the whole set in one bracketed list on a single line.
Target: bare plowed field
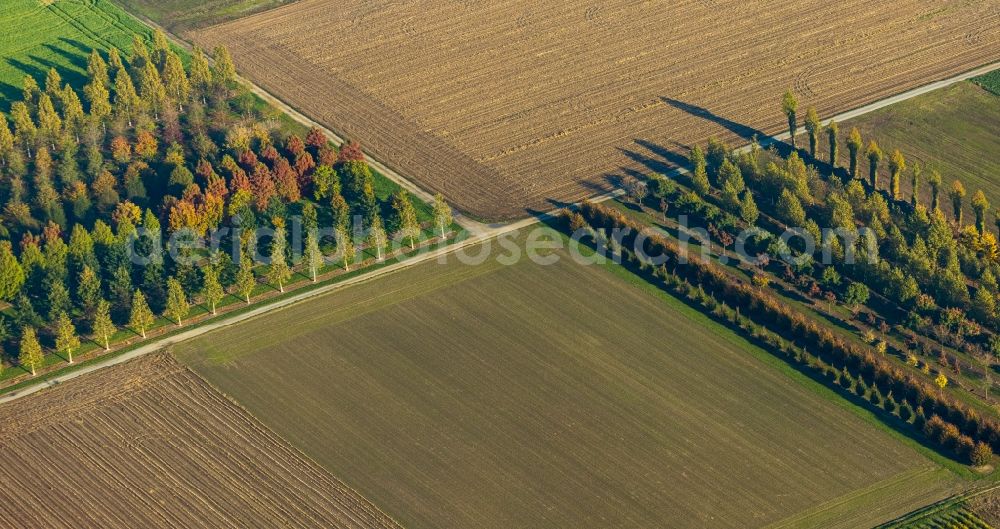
[(148, 444), (502, 105)]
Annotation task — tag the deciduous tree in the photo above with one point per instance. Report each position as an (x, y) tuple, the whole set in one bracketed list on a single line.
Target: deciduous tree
[(442, 214), (66, 339), (345, 247), (980, 205), (31, 356), (102, 325), (813, 127), (832, 130), (897, 164), (12, 275), (313, 255), (957, 194), (278, 272), (934, 180), (377, 237), (406, 217), (874, 155), (854, 143), (177, 302), (246, 281), (142, 317), (789, 105)]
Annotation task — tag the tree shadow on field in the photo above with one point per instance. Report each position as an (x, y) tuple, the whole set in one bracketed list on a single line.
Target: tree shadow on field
[(71, 76), (74, 57), (28, 69), (676, 156), (8, 94), (745, 132), (81, 47)]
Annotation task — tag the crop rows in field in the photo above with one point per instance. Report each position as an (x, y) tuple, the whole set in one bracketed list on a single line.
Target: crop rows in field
[(501, 105), (149, 444), (39, 35), (553, 396)]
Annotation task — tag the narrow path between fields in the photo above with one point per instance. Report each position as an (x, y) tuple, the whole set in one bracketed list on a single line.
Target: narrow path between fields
[(478, 231)]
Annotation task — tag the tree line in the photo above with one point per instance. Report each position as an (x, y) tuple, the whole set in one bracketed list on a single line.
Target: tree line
[(930, 411)]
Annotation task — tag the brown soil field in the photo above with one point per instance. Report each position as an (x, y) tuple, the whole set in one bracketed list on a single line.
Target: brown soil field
[(511, 104), (149, 444)]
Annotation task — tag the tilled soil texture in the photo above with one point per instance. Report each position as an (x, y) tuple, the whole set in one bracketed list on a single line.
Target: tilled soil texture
[(149, 444), (511, 105)]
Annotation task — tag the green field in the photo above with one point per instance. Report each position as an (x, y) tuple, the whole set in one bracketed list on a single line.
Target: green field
[(558, 396), (990, 81), (953, 129), (60, 34), (181, 15)]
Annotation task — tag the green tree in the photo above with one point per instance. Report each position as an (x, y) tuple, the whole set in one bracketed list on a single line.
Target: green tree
[(25, 131), (211, 290), (790, 209), (854, 143), (406, 217), (897, 164), (874, 155), (377, 237), (97, 69), (748, 208), (99, 99), (177, 302), (957, 193), (31, 356), (856, 295), (175, 80), (142, 317), (200, 76), (278, 272), (66, 339), (102, 325), (442, 213), (224, 72), (934, 180), (813, 127), (12, 275), (915, 183), (699, 175), (6, 140), (151, 90), (789, 105), (980, 205), (246, 281), (49, 122), (126, 99), (345, 246), (314, 257), (832, 130)]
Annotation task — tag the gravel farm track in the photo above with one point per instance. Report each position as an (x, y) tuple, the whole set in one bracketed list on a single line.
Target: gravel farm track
[(149, 444), (513, 105)]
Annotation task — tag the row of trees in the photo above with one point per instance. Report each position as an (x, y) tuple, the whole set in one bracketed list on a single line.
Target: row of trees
[(163, 187), (760, 307)]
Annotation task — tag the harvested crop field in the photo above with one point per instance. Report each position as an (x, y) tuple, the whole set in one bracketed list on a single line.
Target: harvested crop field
[(502, 105), (492, 396), (149, 444)]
